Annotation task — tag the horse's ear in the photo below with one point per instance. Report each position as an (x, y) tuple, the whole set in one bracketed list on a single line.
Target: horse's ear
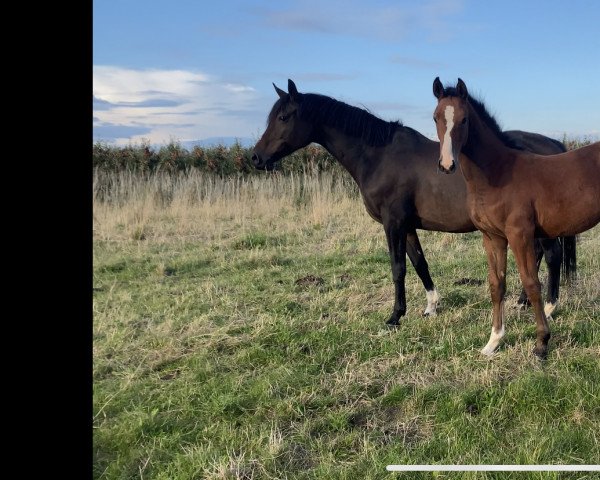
[(293, 90), (438, 88), (461, 89), (280, 92)]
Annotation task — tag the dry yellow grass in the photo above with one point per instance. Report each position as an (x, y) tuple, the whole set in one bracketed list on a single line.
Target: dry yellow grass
[(203, 207)]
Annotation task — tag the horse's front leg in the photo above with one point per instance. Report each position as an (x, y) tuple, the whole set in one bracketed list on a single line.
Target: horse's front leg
[(521, 243), (523, 301), (417, 258), (495, 249), (395, 233)]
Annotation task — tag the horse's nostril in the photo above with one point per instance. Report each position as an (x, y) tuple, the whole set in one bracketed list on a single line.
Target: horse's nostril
[(255, 158), (443, 169)]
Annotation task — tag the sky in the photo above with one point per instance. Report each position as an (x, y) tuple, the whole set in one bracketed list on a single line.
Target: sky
[(183, 70)]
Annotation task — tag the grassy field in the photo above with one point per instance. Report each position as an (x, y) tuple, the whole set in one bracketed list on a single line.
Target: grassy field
[(238, 333)]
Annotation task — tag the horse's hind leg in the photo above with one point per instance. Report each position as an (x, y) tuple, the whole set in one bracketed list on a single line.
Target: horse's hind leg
[(417, 258), (495, 249), (553, 255), (521, 243), (569, 255)]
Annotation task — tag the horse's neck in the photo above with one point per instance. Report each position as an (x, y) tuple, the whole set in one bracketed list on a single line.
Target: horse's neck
[(353, 153), (483, 153)]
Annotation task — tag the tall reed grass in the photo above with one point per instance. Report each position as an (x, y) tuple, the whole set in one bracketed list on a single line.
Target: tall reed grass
[(137, 205)]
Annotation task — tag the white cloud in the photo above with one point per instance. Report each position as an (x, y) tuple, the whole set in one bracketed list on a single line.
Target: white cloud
[(391, 22), (170, 104)]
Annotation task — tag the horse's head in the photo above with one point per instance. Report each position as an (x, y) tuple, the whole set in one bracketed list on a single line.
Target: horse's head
[(286, 131), (451, 118)]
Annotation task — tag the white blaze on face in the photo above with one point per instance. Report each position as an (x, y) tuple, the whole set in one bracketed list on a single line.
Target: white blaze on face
[(447, 157)]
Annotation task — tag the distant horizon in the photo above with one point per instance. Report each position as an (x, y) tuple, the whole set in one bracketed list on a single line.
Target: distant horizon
[(247, 142)]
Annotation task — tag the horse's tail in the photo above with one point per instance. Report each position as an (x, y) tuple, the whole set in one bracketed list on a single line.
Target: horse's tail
[(569, 262)]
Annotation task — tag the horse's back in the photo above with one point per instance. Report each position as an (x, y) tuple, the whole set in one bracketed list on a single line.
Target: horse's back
[(583, 161), (535, 142)]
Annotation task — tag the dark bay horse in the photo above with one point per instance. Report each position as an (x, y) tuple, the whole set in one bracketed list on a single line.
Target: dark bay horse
[(391, 165), (514, 195)]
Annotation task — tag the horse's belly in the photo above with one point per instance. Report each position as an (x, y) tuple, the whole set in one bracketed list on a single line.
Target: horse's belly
[(560, 217), (441, 214), (460, 225), (557, 227)]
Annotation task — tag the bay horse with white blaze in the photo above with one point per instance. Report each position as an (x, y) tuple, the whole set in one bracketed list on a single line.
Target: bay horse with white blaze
[(391, 165), (514, 196)]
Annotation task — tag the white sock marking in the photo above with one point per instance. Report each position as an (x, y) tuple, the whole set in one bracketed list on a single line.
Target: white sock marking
[(447, 157), (432, 301), (495, 336), (549, 308)]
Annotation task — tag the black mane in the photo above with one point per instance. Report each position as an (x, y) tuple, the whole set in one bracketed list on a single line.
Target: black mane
[(486, 117), (352, 121)]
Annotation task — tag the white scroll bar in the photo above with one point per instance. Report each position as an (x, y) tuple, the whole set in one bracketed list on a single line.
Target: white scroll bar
[(493, 468)]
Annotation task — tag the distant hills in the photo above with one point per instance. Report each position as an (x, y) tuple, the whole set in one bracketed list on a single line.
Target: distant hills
[(245, 142)]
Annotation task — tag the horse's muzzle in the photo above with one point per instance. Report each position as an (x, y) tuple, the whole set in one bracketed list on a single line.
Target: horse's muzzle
[(441, 168), (260, 163)]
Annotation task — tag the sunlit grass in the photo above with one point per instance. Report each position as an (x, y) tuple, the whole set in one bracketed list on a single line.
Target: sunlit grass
[(239, 333)]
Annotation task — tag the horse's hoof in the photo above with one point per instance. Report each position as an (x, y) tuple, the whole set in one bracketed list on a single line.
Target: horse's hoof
[(541, 352), (393, 322), (488, 351)]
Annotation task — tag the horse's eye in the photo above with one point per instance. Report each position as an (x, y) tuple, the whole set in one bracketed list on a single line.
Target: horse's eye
[(434, 120), (464, 120), (283, 118)]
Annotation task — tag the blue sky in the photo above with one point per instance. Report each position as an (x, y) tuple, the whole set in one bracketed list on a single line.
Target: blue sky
[(190, 70)]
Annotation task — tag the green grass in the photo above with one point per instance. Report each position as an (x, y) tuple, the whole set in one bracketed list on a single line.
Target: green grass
[(242, 336)]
